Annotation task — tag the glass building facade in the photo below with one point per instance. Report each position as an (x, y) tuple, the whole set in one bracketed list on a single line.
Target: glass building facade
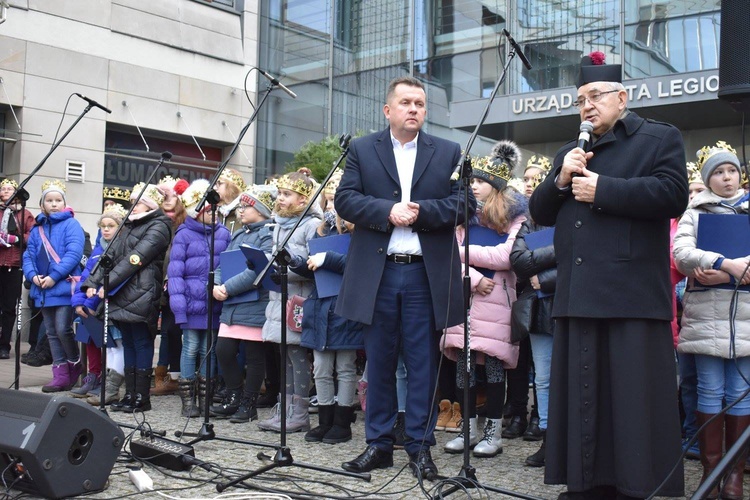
[(339, 55)]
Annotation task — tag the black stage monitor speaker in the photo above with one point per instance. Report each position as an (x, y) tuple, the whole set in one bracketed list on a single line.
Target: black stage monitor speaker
[(734, 64), (55, 446)]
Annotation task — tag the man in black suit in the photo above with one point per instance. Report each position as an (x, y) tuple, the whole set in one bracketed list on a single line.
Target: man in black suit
[(402, 278)]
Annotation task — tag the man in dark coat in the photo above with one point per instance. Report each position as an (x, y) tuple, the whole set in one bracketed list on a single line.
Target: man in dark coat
[(402, 277), (613, 419)]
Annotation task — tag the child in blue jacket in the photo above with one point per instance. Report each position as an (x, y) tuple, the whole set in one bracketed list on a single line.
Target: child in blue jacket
[(51, 263)]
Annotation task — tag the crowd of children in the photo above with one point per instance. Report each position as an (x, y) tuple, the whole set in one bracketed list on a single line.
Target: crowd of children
[(159, 284)]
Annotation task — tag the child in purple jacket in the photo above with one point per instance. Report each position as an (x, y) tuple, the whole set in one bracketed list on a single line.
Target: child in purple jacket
[(187, 279)]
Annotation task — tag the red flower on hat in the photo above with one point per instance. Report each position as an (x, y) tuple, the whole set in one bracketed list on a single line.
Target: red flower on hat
[(180, 186), (597, 58)]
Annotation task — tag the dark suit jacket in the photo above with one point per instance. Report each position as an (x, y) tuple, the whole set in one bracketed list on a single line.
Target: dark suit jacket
[(613, 254), (367, 192)]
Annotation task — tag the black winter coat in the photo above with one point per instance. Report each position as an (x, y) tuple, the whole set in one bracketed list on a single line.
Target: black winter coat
[(613, 254), (138, 254), (542, 263)]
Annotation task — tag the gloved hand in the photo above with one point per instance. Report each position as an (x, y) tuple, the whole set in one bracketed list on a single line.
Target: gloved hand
[(316, 260)]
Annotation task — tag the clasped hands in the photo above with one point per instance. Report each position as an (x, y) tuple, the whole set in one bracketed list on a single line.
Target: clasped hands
[(734, 267), (404, 214), (575, 174)]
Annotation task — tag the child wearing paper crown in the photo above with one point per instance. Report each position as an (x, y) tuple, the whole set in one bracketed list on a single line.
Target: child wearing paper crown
[(334, 340), (12, 219), (502, 209), (187, 274), (722, 355), (170, 348), (135, 285), (295, 190), (229, 187), (51, 264), (242, 323), (85, 306)]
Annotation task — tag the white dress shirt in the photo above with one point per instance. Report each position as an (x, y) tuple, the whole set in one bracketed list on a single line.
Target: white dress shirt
[(403, 239)]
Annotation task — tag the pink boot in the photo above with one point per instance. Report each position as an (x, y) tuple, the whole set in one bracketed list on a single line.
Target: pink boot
[(74, 371), (60, 379)]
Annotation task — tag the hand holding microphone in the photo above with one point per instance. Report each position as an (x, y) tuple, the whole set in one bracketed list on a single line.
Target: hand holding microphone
[(576, 159)]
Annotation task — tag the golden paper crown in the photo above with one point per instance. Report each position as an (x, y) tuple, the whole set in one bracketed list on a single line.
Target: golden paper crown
[(298, 186), (9, 182), (743, 177), (150, 192), (168, 181), (540, 162), (694, 173), (194, 193), (115, 209), (54, 183), (233, 177), (707, 152), (333, 182), (115, 193), (491, 168)]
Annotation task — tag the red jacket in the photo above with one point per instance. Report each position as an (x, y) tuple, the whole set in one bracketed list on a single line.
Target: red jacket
[(11, 256)]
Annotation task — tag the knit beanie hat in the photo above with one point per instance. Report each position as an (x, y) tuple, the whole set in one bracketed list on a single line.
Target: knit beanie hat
[(152, 197), (116, 212), (497, 169), (194, 194), (261, 198), (52, 186), (709, 159)]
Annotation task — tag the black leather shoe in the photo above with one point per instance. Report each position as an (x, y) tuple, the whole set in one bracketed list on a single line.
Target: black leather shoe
[(422, 462), (371, 458), (533, 431), (516, 428)]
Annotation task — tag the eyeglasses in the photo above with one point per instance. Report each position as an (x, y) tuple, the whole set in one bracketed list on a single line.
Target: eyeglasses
[(593, 98), (242, 208)]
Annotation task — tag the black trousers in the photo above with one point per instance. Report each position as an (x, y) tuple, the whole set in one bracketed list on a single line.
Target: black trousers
[(11, 279)]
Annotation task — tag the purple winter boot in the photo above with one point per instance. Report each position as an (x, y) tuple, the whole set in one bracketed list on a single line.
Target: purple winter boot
[(74, 371), (60, 379)]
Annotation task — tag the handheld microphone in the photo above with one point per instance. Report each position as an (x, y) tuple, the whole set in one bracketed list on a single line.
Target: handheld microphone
[(517, 47), (584, 136), (93, 103), (274, 81)]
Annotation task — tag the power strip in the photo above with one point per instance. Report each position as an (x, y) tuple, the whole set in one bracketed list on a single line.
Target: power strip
[(141, 480)]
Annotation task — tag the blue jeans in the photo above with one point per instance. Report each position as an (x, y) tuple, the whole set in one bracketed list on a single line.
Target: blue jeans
[(138, 346), (58, 322), (688, 392), (401, 383), (541, 350), (194, 349), (719, 380)]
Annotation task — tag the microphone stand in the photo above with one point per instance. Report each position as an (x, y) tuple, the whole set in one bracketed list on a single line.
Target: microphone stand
[(206, 431), (22, 195), (466, 477), (281, 256), (107, 263)]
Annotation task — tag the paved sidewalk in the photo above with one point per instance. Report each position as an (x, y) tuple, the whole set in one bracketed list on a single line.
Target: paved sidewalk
[(506, 471)]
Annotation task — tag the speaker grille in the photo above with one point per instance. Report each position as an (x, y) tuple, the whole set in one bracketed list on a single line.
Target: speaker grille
[(24, 403), (734, 64)]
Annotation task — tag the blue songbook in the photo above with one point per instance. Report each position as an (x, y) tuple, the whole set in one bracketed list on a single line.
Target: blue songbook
[(42, 261), (91, 328), (485, 237), (328, 282), (256, 258), (727, 234), (540, 239), (233, 262)]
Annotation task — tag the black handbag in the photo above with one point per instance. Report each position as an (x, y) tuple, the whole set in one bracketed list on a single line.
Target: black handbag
[(522, 315)]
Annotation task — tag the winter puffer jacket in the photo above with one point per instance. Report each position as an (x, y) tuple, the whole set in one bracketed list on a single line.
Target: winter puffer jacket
[(66, 238), (705, 310), (298, 284), (252, 313), (135, 282), (187, 274)]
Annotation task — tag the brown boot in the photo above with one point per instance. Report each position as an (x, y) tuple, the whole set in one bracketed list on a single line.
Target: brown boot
[(735, 426), (163, 383), (711, 441)]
